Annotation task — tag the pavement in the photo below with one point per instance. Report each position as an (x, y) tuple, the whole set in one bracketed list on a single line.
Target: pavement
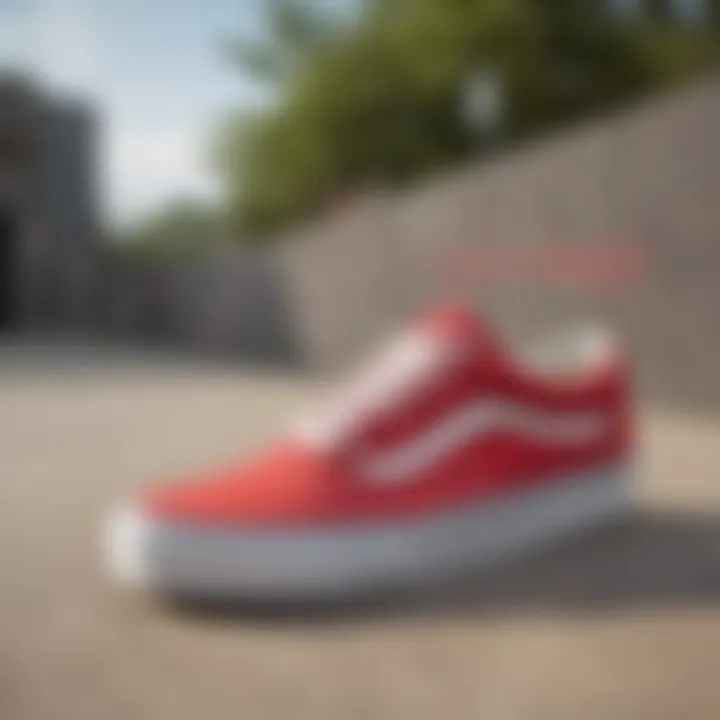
[(623, 624)]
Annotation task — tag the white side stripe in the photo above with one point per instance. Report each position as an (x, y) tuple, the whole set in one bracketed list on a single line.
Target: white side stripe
[(477, 419)]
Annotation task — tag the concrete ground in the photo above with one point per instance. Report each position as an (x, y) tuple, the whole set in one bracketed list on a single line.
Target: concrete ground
[(622, 625)]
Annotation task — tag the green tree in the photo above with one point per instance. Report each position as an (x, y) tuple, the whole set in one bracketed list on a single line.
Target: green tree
[(378, 104), (293, 31), (181, 226)]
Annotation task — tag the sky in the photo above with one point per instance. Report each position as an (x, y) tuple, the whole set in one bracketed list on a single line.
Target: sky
[(154, 71)]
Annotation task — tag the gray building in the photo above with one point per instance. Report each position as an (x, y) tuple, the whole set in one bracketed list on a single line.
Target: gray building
[(48, 208)]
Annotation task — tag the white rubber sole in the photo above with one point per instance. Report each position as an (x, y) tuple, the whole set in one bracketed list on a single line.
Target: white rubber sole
[(323, 562)]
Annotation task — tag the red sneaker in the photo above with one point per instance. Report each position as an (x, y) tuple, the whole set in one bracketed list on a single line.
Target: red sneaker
[(444, 454)]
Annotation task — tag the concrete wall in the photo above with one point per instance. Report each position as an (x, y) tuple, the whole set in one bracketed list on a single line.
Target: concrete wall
[(648, 179)]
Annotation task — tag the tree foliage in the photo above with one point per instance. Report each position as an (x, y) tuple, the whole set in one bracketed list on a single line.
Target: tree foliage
[(294, 31), (180, 227), (376, 103)]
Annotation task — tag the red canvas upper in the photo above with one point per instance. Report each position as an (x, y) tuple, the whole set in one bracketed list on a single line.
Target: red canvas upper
[(467, 426)]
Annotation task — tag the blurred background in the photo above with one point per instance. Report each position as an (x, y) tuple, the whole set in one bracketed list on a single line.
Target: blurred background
[(235, 177), (205, 207)]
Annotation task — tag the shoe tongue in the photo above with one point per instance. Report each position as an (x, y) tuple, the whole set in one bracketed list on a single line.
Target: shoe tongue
[(443, 335), (452, 323)]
